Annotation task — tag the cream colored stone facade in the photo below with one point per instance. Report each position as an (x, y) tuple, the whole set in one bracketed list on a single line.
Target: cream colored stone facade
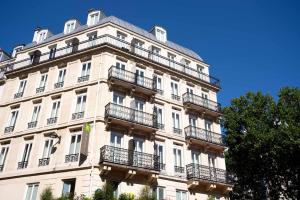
[(131, 164)]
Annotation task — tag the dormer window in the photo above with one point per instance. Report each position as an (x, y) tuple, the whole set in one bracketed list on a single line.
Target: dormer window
[(71, 25), (40, 35), (93, 17), (160, 33)]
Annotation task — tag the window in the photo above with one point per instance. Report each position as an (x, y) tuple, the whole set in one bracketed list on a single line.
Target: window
[(94, 18), (92, 39), (177, 153), (176, 122), (13, 118), (52, 52), (118, 98), (70, 27), (121, 36), (195, 157), (68, 187), (26, 155), (61, 75), (120, 70), (42, 36), (158, 83), (31, 193), (160, 35), (3, 154), (174, 91), (159, 193), (138, 47), (155, 53), (171, 60), (55, 109), (43, 81), (159, 117), (36, 112), (159, 151), (200, 70), (181, 195), (116, 139), (186, 62), (80, 106), (85, 70), (21, 88), (139, 74), (75, 144), (47, 148)]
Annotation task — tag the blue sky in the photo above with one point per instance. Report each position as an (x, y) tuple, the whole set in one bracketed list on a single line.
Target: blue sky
[(250, 45)]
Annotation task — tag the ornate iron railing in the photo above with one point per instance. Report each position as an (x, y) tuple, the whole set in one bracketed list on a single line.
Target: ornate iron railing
[(131, 77), (44, 161), (179, 169), (77, 115), (83, 78), (202, 134), (52, 120), (200, 101), (128, 157), (18, 95), (71, 158), (130, 114), (22, 164), (32, 124), (196, 171), (9, 129), (40, 89), (116, 42), (175, 97), (177, 131), (59, 84)]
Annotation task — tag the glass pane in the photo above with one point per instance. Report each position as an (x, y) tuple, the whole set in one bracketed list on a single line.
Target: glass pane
[(78, 144), (34, 192), (66, 188), (28, 193), (72, 145)]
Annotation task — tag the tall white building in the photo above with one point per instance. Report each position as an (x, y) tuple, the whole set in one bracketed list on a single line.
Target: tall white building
[(107, 101)]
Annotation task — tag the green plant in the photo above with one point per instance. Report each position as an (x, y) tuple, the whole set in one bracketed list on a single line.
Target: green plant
[(210, 197), (146, 194), (47, 194), (106, 193), (126, 196), (98, 195)]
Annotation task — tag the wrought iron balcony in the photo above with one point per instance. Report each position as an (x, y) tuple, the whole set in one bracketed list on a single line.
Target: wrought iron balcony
[(18, 95), (52, 120), (72, 158), (201, 103), (59, 84), (179, 169), (44, 161), (160, 126), (162, 166), (130, 115), (177, 131), (77, 115), (126, 157), (9, 129), (22, 164), (1, 168), (192, 132), (175, 97), (206, 173), (83, 78), (131, 78), (40, 89), (32, 124), (122, 45)]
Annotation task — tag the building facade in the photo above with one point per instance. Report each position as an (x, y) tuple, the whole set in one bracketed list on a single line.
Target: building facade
[(109, 102)]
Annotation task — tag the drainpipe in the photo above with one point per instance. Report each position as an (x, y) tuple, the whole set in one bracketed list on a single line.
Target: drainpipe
[(92, 139)]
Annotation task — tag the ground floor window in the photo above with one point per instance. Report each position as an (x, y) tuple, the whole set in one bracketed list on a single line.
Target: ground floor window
[(181, 195), (159, 193), (31, 192), (68, 187)]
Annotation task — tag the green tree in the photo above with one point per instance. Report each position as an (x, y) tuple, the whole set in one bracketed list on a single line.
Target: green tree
[(47, 194), (263, 137)]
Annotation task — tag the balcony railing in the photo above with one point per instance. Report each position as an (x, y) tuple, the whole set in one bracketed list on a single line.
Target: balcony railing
[(131, 115), (200, 101), (116, 155), (179, 169), (196, 172), (131, 77), (175, 97), (160, 126), (71, 158), (9, 129), (1, 168), (202, 134), (116, 42), (44, 161), (18, 95), (22, 164), (177, 131), (77, 115), (59, 84), (160, 91), (83, 78), (162, 166), (32, 124), (52, 120), (40, 89)]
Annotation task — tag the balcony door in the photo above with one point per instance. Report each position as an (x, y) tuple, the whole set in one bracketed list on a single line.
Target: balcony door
[(47, 148), (177, 159), (208, 129), (138, 152), (193, 124), (117, 109), (212, 166), (139, 111), (205, 100), (120, 69), (116, 144), (139, 76)]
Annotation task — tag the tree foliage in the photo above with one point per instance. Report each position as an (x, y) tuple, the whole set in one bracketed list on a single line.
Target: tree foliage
[(263, 136)]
